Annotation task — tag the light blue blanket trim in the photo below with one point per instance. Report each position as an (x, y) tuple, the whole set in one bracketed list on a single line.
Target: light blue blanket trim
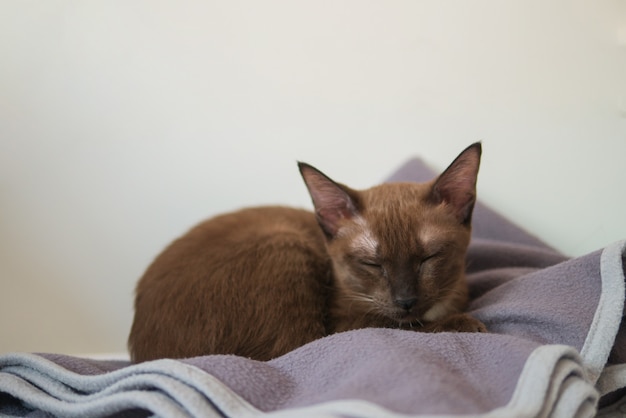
[(608, 315), (182, 389)]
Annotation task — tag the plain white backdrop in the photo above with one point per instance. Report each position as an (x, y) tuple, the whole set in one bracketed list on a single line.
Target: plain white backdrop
[(123, 123)]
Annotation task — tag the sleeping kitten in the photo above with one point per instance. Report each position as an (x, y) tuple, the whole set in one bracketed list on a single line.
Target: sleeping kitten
[(263, 281)]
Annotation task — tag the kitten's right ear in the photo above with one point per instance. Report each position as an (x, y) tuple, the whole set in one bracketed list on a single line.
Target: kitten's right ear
[(333, 202)]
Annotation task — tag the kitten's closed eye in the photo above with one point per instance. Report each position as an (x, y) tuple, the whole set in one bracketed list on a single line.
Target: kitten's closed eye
[(371, 264), (428, 260)]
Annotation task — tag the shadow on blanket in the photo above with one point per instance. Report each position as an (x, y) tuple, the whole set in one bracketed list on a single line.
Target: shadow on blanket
[(555, 348)]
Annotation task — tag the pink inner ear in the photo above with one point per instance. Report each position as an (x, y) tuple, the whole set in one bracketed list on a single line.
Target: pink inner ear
[(330, 220), (457, 185), (332, 203)]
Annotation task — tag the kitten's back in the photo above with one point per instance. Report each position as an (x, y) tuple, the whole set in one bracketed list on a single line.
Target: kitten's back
[(186, 301)]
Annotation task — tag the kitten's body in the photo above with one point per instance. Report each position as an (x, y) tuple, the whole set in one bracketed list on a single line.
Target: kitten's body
[(262, 281)]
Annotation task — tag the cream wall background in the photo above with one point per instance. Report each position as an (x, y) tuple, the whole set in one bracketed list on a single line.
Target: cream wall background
[(123, 123)]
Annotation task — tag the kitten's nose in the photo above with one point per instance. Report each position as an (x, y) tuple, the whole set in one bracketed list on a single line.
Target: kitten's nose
[(406, 304)]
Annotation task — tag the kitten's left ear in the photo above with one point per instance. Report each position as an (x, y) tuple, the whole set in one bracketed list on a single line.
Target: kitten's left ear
[(333, 202), (456, 186)]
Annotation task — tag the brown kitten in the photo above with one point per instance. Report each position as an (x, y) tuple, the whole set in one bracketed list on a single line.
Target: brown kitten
[(263, 281)]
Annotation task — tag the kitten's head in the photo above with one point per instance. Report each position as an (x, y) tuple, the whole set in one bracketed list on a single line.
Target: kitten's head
[(398, 249)]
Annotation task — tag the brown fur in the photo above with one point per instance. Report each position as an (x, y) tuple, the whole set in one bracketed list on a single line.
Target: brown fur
[(263, 281)]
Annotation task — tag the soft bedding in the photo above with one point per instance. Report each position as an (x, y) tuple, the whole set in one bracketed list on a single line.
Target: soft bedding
[(556, 348)]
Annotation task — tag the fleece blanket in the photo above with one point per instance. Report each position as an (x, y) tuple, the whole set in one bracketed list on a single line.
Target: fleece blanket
[(556, 348)]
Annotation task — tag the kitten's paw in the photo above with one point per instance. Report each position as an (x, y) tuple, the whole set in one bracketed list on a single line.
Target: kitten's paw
[(469, 324), (457, 323)]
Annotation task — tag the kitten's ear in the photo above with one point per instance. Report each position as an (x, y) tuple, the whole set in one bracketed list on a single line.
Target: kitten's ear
[(456, 186), (333, 202)]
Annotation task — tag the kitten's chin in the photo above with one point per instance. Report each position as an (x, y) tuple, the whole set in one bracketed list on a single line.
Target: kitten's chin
[(404, 318)]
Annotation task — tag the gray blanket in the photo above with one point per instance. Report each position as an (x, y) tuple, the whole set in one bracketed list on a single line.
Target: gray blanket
[(555, 349)]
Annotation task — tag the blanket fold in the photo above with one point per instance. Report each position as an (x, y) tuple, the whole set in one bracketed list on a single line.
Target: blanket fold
[(555, 349)]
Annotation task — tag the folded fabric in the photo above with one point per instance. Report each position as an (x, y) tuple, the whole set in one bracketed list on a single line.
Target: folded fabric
[(556, 348)]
